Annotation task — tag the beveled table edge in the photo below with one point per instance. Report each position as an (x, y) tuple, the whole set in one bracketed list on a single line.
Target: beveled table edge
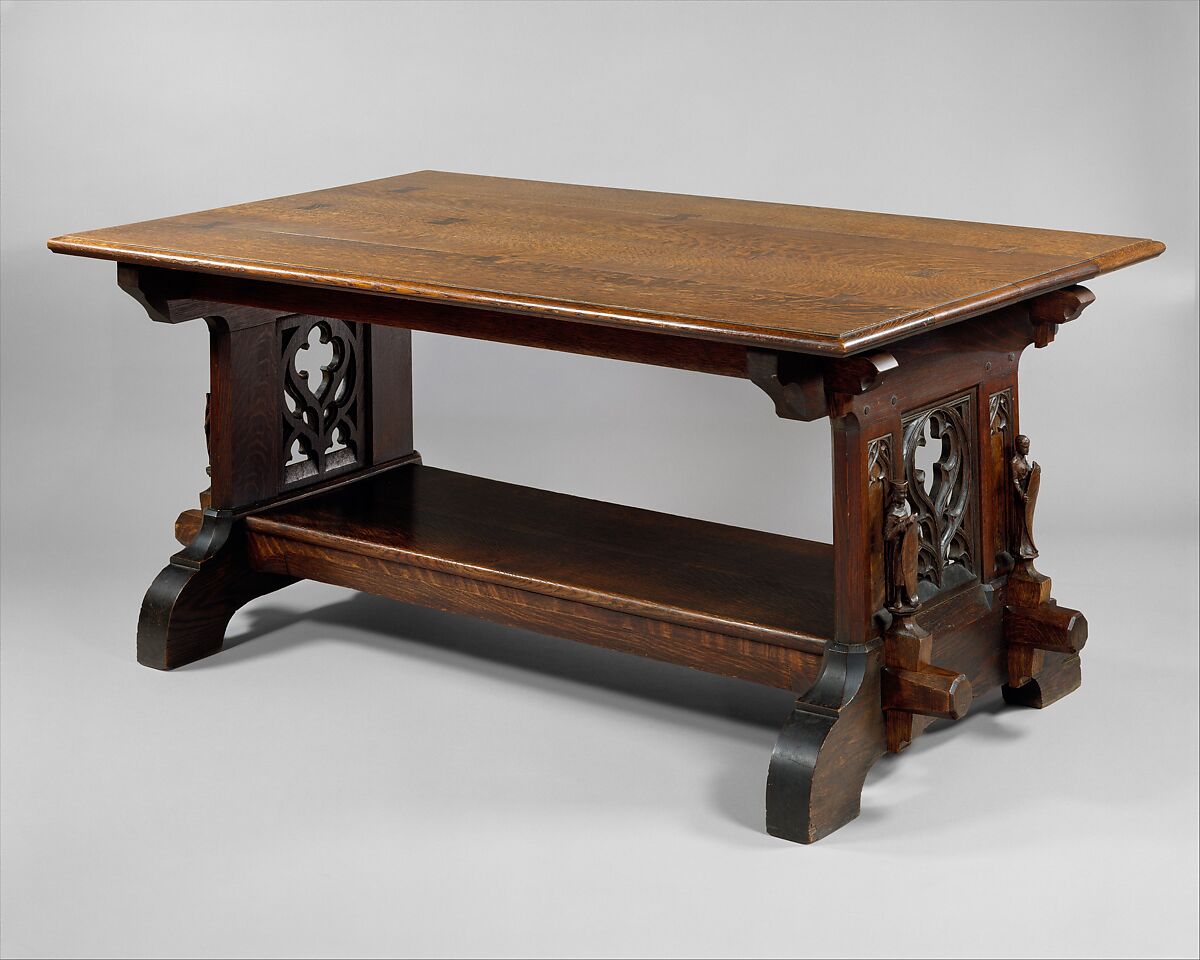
[(856, 341)]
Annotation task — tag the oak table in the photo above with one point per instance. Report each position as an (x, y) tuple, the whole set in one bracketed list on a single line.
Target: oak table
[(904, 332)]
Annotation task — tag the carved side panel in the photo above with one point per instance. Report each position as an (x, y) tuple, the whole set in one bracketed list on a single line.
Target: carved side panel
[(322, 365), (944, 500)]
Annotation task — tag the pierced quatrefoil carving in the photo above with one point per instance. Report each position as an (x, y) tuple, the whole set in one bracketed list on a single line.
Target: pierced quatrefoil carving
[(322, 397), (938, 457)]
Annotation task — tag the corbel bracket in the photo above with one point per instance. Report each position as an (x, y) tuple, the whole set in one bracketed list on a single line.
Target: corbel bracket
[(163, 294), (1051, 309)]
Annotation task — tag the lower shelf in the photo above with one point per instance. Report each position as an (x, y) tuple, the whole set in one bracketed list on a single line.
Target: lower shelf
[(728, 600)]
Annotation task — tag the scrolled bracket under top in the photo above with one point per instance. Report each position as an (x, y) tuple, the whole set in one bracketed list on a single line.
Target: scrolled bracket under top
[(1051, 309), (154, 290)]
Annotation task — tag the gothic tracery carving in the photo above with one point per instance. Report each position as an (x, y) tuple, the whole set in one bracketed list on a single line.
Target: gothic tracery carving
[(322, 421), (942, 504)]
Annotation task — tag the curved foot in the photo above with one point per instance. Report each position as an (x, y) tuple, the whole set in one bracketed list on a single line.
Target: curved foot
[(832, 738), (189, 604)]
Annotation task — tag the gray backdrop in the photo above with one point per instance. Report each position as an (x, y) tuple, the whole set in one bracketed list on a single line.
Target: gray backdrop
[(364, 779)]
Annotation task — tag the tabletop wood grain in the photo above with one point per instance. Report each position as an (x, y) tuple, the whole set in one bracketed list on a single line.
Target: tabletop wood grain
[(799, 278)]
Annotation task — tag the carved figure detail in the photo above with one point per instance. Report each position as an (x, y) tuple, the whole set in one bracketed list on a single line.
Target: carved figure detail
[(1027, 481), (903, 544)]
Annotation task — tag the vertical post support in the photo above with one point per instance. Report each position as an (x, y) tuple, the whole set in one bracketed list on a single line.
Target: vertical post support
[(837, 730)]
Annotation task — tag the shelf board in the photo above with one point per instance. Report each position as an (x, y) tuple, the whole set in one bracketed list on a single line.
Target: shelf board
[(710, 577)]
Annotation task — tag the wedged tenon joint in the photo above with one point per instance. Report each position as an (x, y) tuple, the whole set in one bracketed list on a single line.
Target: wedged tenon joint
[(1046, 627)]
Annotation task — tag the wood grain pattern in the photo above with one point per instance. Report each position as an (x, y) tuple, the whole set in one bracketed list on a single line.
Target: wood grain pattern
[(689, 592), (744, 583), (930, 691), (243, 414), (798, 278), (616, 627), (1046, 627)]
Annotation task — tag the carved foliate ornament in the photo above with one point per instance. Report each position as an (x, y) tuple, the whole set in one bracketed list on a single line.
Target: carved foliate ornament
[(903, 546), (1000, 412), (879, 460)]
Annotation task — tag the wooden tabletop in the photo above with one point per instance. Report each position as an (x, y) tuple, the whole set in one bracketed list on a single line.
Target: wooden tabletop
[(810, 279)]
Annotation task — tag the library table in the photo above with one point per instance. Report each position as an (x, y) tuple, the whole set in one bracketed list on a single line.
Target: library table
[(904, 332)]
